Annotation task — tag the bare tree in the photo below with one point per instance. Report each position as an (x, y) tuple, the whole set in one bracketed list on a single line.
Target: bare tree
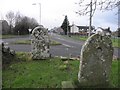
[(10, 17), (18, 17), (89, 7)]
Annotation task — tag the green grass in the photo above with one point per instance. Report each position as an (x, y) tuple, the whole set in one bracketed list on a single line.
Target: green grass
[(76, 37), (7, 36), (26, 73), (115, 73), (38, 74), (82, 38), (22, 42), (52, 43), (115, 41)]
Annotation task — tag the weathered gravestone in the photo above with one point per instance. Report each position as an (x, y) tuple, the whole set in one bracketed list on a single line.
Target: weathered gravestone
[(95, 61), (40, 43)]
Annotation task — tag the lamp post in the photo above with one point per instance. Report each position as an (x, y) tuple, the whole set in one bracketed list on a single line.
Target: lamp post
[(40, 10)]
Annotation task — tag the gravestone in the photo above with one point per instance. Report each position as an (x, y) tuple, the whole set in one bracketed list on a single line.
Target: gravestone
[(95, 61), (40, 43)]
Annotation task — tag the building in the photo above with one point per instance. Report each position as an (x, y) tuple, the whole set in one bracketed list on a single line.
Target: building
[(58, 30), (4, 27), (74, 29), (83, 30)]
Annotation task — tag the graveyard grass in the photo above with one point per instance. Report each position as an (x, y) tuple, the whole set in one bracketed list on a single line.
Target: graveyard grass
[(24, 72)]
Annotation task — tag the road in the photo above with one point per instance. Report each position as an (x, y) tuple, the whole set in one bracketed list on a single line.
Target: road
[(68, 48)]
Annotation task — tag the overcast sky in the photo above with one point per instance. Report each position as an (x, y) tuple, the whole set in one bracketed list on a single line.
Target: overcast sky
[(53, 11)]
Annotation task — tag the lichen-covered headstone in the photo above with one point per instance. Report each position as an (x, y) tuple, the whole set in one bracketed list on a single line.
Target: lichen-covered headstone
[(95, 61), (40, 43)]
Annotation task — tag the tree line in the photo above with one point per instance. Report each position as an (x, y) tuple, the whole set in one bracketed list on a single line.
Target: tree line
[(19, 24)]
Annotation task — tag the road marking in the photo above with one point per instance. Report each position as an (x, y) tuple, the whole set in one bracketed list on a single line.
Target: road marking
[(68, 40), (60, 38), (67, 45)]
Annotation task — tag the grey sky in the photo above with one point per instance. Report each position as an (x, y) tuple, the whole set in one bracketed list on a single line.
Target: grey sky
[(53, 11)]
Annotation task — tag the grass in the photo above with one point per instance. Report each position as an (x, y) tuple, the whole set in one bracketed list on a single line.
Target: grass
[(115, 73), (22, 42), (26, 73), (52, 43), (82, 38), (7, 36), (76, 37), (115, 41), (38, 74)]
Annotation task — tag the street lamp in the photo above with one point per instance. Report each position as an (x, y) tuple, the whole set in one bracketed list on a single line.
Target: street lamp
[(40, 9)]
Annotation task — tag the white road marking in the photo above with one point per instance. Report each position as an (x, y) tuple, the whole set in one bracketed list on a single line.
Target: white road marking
[(67, 40), (60, 38), (67, 45)]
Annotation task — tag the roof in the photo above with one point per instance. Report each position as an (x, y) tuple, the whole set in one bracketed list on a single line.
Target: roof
[(82, 27)]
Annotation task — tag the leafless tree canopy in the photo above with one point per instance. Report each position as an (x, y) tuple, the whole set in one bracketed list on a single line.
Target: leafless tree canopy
[(102, 5), (10, 17)]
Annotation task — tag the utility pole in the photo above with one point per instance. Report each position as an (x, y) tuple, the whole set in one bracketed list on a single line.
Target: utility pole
[(90, 21)]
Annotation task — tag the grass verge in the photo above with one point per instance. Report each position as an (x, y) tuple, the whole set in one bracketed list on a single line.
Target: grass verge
[(115, 42), (7, 36), (52, 43), (26, 73)]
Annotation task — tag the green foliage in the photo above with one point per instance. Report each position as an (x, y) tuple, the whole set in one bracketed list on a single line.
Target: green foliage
[(65, 25)]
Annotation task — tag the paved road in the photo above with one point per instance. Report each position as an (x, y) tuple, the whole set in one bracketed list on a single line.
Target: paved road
[(68, 47)]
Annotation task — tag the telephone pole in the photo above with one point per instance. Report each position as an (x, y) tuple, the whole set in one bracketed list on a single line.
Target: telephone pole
[(90, 21)]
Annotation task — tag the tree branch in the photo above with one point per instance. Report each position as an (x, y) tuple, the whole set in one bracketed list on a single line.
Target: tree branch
[(103, 5)]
